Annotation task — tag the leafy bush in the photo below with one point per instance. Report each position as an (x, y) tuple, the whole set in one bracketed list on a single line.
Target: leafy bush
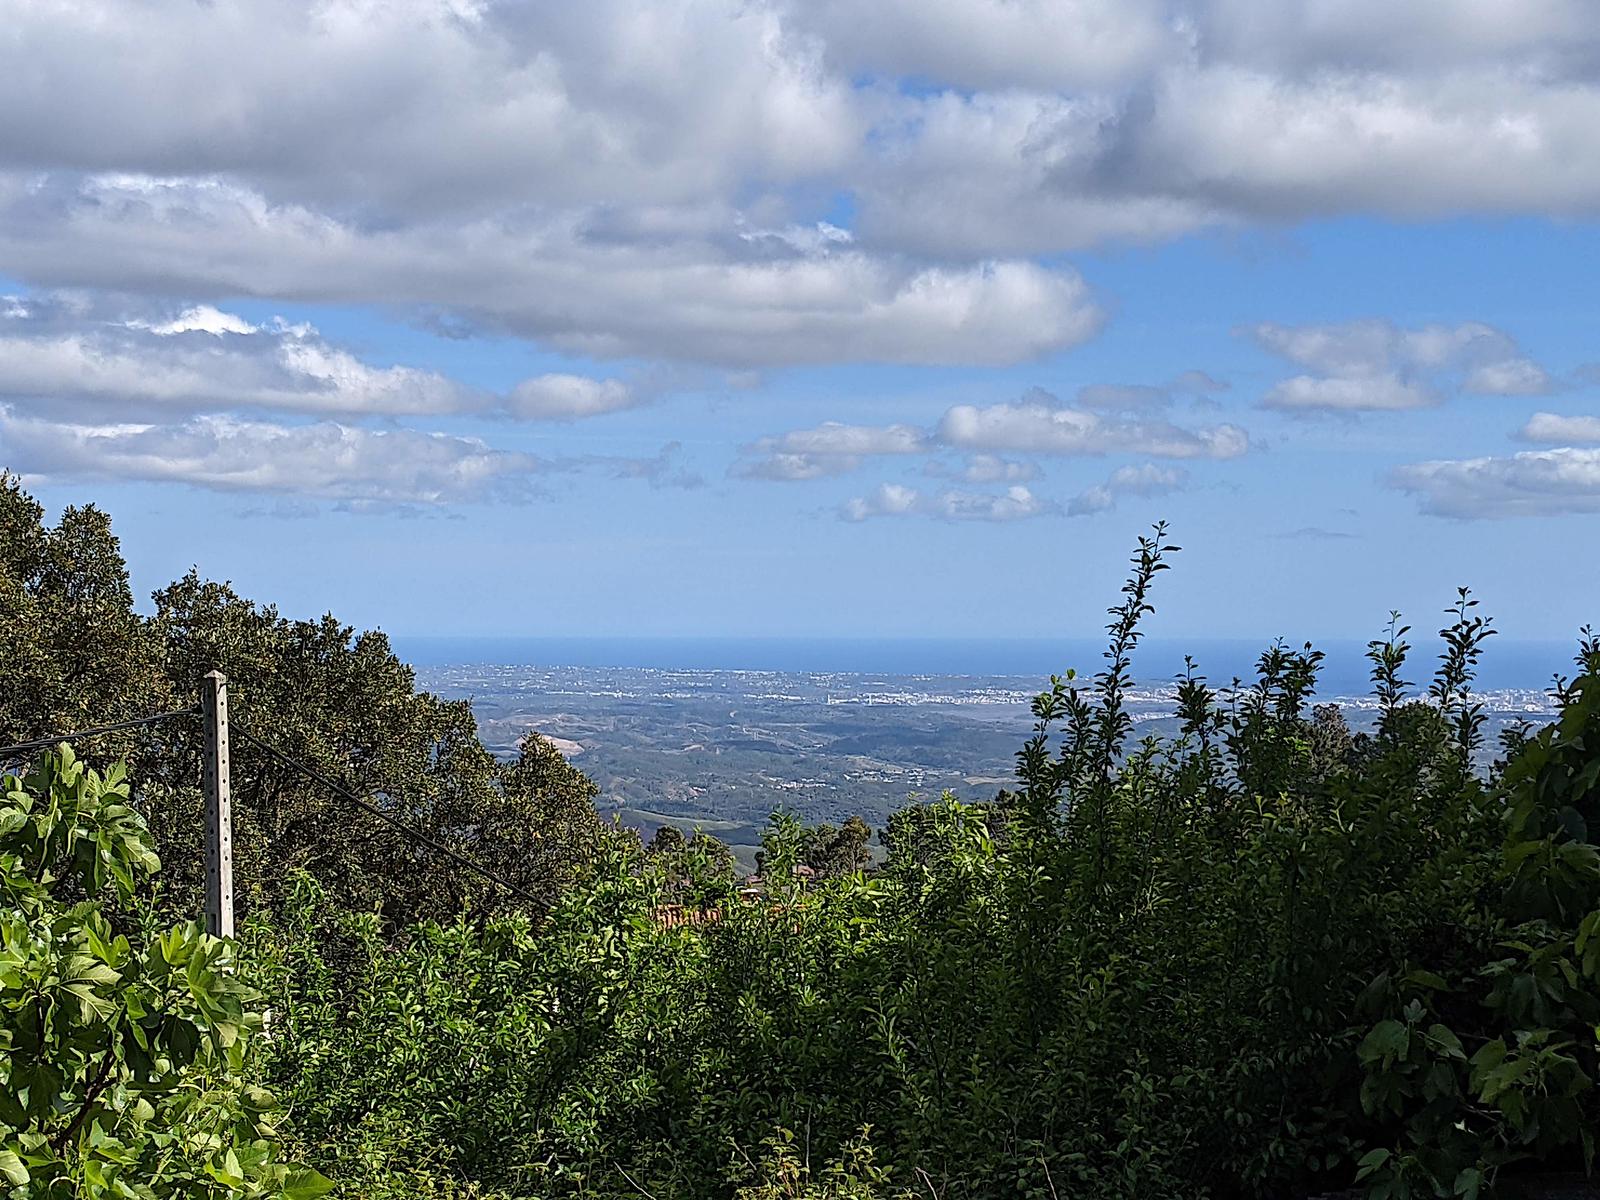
[(1268, 957), (123, 1072)]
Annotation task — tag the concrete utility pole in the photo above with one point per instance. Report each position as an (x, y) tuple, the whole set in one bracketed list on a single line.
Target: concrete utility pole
[(219, 806)]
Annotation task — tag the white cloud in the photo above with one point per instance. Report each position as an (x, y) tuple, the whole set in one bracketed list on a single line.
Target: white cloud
[(832, 448), (58, 358), (895, 500), (685, 293), (1513, 377), (1532, 483), (1382, 392), (794, 468), (563, 397), (362, 469), (1328, 138), (890, 500), (1378, 366), (1554, 428), (986, 468), (1147, 479), (1038, 424), (833, 437), (661, 179), (414, 108), (127, 373), (205, 319), (324, 461), (1087, 503), (1372, 346)]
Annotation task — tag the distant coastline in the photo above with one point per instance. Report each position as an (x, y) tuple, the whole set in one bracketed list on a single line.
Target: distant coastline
[(1508, 664)]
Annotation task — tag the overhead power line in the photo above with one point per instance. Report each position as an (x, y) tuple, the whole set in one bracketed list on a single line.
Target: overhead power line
[(366, 805), (45, 743), (8, 753)]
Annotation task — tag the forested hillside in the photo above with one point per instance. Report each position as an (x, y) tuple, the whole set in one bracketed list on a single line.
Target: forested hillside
[(1265, 958)]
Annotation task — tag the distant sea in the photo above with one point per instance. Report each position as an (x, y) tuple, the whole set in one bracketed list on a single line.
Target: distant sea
[(1506, 664)]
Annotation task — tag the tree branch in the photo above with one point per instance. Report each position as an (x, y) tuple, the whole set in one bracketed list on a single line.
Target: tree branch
[(60, 1141)]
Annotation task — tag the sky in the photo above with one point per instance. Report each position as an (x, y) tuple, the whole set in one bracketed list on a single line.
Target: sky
[(814, 318)]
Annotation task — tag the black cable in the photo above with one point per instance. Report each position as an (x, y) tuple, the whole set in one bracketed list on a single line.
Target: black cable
[(21, 748), (346, 794)]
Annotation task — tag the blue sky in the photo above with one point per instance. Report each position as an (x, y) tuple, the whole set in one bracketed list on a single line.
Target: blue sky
[(767, 319)]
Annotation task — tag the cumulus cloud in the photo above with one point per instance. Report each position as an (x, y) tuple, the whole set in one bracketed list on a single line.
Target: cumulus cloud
[(692, 291), (201, 318), (794, 468), (1532, 483), (1040, 424), (1512, 377), (896, 500), (832, 448), (322, 461), (1555, 428), (1378, 366), (361, 469), (985, 468), (1381, 392), (563, 397), (1208, 141), (833, 437), (660, 180), (65, 356), (427, 105), (1147, 479)]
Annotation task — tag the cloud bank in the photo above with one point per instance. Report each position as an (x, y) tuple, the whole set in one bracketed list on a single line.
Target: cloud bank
[(1534, 483), (1378, 366), (759, 182)]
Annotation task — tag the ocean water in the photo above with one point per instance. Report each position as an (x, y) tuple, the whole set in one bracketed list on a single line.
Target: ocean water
[(1506, 664)]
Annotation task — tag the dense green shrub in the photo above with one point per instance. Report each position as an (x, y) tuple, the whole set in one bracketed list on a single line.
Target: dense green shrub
[(1265, 958)]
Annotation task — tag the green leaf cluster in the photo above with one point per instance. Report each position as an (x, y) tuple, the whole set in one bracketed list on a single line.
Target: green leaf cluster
[(123, 1058)]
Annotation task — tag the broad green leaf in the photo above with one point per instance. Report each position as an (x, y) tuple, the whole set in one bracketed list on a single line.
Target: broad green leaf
[(12, 1169), (304, 1183)]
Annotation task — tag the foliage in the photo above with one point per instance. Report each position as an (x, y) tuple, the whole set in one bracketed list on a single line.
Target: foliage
[(78, 655), (829, 851), (698, 869), (1267, 957), (123, 1072)]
